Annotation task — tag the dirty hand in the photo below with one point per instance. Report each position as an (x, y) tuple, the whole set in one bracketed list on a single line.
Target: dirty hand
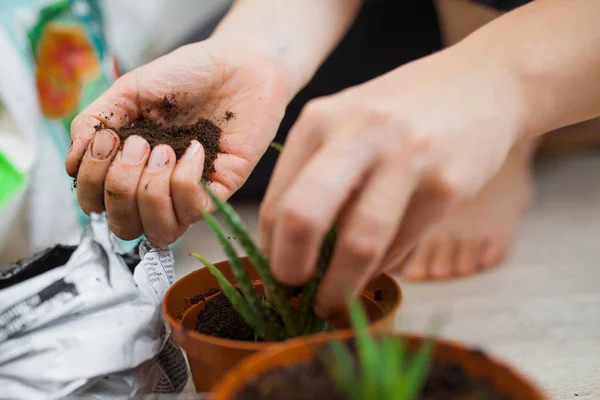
[(385, 160), (147, 191)]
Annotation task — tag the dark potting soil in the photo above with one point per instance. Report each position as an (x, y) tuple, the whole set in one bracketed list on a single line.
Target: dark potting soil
[(312, 381), (132, 259), (46, 260), (179, 137), (197, 299), (219, 318), (38, 264), (201, 297)]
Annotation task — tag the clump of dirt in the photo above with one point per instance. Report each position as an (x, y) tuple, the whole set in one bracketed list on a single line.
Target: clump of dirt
[(179, 138), (219, 318)]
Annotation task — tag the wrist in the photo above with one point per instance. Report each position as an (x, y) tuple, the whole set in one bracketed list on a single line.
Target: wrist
[(296, 36), (505, 82), (264, 51)]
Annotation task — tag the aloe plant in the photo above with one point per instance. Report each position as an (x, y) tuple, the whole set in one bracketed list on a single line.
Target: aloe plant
[(382, 369), (260, 314)]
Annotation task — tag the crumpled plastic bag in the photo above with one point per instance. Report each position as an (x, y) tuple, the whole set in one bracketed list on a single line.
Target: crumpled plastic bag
[(86, 321)]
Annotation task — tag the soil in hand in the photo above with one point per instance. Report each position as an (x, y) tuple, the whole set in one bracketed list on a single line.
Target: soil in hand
[(219, 318), (312, 381), (179, 138)]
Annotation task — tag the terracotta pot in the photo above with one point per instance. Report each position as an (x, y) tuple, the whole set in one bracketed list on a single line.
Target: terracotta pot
[(210, 357), (301, 350)]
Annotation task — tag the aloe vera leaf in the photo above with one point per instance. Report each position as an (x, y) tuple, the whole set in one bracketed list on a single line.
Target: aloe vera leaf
[(343, 369), (416, 372), (268, 322), (280, 301), (367, 352), (309, 319), (277, 146), (392, 360)]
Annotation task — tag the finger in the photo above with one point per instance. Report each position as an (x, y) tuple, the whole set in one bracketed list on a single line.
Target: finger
[(154, 199), (121, 186), (493, 253), (115, 108), (302, 143), (428, 205), (442, 261), (311, 205), (188, 197), (466, 258), (364, 236), (94, 166), (416, 267)]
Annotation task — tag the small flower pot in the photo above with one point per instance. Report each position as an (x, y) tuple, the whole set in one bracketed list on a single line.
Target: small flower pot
[(474, 363), (210, 357)]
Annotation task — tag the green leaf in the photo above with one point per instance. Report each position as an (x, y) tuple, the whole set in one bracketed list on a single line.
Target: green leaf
[(343, 370), (309, 319), (416, 372), (269, 325), (276, 146), (392, 362), (280, 301), (368, 353)]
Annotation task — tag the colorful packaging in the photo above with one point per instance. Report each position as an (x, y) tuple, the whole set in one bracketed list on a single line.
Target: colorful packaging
[(54, 63)]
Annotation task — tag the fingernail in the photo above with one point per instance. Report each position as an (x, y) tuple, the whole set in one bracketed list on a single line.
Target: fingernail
[(103, 144), (158, 158), (191, 151), (134, 149)]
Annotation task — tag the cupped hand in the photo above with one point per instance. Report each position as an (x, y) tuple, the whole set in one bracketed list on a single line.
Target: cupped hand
[(385, 160), (148, 191)]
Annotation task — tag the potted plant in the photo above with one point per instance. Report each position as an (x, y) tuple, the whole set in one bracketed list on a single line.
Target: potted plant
[(352, 365), (220, 314)]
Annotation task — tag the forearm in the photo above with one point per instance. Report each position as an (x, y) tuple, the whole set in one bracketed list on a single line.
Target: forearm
[(551, 50), (298, 34)]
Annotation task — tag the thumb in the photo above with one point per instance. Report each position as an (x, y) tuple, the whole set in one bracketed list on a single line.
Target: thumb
[(117, 107)]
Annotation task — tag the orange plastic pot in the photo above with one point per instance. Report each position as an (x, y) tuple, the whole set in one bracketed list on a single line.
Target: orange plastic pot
[(210, 357), (475, 363)]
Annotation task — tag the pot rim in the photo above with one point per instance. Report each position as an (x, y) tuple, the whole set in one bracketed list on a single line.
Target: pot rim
[(256, 346), (233, 380)]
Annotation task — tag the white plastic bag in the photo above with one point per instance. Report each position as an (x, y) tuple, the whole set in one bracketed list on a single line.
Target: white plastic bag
[(90, 327)]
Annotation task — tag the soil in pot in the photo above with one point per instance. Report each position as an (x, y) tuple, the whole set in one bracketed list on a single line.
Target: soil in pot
[(218, 318), (312, 381)]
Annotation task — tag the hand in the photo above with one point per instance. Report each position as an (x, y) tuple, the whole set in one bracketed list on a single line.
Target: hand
[(148, 192), (385, 159)]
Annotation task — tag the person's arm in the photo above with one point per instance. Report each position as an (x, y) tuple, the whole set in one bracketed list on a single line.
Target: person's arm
[(299, 34), (258, 58), (397, 153), (551, 48)]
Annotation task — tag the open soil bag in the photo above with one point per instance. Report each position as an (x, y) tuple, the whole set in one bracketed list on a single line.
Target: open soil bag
[(85, 321)]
